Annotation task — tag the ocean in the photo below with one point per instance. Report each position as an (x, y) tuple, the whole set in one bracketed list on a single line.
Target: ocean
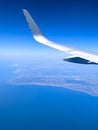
[(30, 107), (27, 107)]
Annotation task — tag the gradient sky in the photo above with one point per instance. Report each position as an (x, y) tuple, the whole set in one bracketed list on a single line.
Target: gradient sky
[(69, 22)]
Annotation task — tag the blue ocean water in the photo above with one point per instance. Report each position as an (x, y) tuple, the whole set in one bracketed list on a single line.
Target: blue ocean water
[(29, 107), (40, 107)]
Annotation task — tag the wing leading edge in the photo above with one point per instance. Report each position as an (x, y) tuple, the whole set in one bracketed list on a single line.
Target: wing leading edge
[(77, 56)]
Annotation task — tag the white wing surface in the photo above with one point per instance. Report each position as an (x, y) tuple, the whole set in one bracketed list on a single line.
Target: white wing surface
[(77, 56)]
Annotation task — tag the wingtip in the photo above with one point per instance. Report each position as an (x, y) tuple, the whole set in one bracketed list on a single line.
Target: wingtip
[(24, 10)]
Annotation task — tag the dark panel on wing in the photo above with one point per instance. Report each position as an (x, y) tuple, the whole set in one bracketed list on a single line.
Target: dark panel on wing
[(78, 60)]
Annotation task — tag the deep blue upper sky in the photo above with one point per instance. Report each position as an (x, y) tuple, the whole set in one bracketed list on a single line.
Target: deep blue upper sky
[(74, 22)]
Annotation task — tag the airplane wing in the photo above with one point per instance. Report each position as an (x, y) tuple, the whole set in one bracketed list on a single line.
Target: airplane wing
[(77, 56)]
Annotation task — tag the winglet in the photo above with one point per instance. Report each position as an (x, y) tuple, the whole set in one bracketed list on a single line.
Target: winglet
[(32, 25), (37, 34), (39, 37)]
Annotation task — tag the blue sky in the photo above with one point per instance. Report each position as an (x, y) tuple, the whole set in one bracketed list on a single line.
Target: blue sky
[(69, 22)]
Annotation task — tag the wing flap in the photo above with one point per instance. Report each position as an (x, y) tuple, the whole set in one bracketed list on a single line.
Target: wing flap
[(78, 60)]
